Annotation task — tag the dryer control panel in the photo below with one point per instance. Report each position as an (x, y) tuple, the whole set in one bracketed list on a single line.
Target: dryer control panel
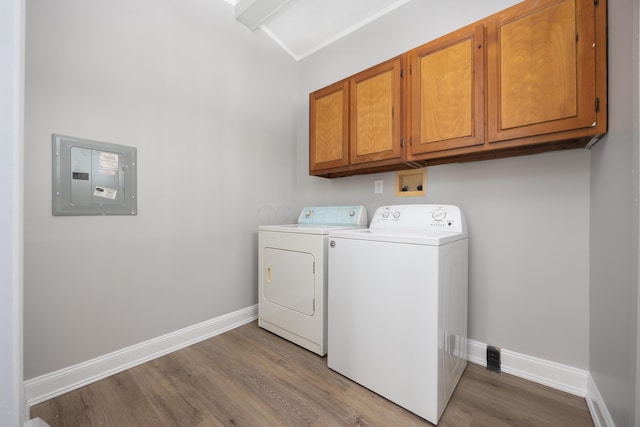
[(419, 219), (334, 215)]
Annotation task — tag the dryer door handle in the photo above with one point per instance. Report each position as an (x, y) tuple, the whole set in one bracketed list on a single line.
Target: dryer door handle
[(268, 274)]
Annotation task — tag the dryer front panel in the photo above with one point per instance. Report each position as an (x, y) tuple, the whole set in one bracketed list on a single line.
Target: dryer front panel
[(289, 280)]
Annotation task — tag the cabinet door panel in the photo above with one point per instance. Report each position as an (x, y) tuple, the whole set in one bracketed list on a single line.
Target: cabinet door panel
[(541, 70), (447, 84), (374, 124), (447, 77), (376, 113), (329, 127)]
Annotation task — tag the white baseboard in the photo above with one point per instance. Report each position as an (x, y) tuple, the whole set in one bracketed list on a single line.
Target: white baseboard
[(555, 375), (36, 422), (597, 407), (47, 386), (552, 374)]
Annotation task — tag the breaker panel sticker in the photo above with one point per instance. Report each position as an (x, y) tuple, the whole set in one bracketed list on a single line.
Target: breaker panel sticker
[(108, 163), (105, 193)]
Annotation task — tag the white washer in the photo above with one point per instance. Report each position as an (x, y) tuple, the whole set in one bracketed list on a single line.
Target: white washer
[(292, 273), (397, 320)]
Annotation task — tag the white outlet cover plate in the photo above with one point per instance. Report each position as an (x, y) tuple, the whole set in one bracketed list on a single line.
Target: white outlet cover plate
[(378, 186)]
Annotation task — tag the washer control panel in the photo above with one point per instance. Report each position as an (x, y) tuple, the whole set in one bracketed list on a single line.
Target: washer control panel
[(418, 218), (334, 215)]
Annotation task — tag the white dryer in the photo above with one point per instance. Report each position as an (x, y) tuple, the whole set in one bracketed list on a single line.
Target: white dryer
[(398, 305), (292, 273)]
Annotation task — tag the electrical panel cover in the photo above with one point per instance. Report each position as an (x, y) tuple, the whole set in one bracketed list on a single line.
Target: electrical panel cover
[(93, 178)]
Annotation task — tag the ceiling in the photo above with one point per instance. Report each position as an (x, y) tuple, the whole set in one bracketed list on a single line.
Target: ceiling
[(302, 27)]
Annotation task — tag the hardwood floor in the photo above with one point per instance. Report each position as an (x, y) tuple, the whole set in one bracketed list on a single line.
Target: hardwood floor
[(250, 377)]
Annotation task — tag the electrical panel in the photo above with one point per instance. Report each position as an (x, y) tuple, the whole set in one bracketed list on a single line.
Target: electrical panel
[(92, 177)]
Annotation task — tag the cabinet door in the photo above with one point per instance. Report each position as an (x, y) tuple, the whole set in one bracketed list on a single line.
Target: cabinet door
[(329, 127), (376, 113), (446, 83), (541, 69)]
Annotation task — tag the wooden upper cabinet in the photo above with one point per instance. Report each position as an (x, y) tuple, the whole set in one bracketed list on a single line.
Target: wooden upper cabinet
[(329, 127), (541, 73), (528, 79), (445, 89), (376, 113)]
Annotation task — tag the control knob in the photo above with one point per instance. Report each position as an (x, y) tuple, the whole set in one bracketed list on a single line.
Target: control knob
[(439, 214)]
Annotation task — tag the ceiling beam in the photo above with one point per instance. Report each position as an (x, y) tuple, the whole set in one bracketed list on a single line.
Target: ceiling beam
[(252, 13)]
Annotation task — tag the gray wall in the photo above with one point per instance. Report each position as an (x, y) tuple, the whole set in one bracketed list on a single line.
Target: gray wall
[(210, 107), (11, 98), (614, 227), (528, 217)]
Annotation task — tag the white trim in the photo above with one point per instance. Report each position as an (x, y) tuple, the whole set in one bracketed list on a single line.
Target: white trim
[(477, 352), (36, 422), (12, 35), (555, 375), (54, 384), (597, 406)]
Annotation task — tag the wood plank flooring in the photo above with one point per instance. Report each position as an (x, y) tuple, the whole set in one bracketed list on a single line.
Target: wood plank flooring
[(250, 377)]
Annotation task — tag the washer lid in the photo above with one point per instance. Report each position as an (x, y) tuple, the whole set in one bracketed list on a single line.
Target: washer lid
[(437, 238)]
